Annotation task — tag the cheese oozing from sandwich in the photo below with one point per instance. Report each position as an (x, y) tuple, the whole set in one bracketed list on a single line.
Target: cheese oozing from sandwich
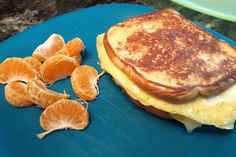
[(218, 110)]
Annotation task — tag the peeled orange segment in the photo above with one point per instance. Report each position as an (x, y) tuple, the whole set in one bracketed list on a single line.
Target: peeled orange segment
[(53, 44), (40, 95), (36, 64), (73, 47), (64, 50), (84, 82), (57, 67), (78, 59), (16, 69), (16, 94), (64, 114)]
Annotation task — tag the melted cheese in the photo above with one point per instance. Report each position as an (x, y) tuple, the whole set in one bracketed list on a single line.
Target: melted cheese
[(216, 110)]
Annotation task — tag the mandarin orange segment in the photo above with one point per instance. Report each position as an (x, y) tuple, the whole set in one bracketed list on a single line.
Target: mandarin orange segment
[(16, 94), (16, 69), (78, 59), (84, 82), (75, 46), (40, 95), (62, 51), (36, 64), (73, 49), (57, 67), (64, 114), (49, 48)]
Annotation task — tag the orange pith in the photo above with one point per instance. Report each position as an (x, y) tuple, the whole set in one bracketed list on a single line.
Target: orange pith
[(16, 69), (49, 48), (57, 67), (16, 94), (84, 82), (40, 95)]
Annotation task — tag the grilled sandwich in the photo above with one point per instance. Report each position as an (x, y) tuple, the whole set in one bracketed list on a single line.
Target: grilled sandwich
[(172, 68)]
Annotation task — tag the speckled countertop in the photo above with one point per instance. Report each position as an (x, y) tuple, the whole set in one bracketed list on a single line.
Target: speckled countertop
[(17, 15)]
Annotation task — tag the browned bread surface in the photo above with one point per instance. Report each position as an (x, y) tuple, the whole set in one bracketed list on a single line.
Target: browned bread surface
[(171, 57)]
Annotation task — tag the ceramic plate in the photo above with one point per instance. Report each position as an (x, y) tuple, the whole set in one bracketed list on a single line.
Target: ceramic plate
[(117, 127)]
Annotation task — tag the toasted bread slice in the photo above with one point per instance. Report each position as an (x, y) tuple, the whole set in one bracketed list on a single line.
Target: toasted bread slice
[(171, 57)]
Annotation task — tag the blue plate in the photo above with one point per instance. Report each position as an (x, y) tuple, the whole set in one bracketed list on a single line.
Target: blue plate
[(117, 126)]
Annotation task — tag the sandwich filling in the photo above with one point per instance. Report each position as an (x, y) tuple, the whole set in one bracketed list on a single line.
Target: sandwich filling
[(217, 110)]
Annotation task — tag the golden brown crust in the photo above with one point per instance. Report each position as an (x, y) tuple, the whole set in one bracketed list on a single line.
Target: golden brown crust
[(149, 86), (191, 60)]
